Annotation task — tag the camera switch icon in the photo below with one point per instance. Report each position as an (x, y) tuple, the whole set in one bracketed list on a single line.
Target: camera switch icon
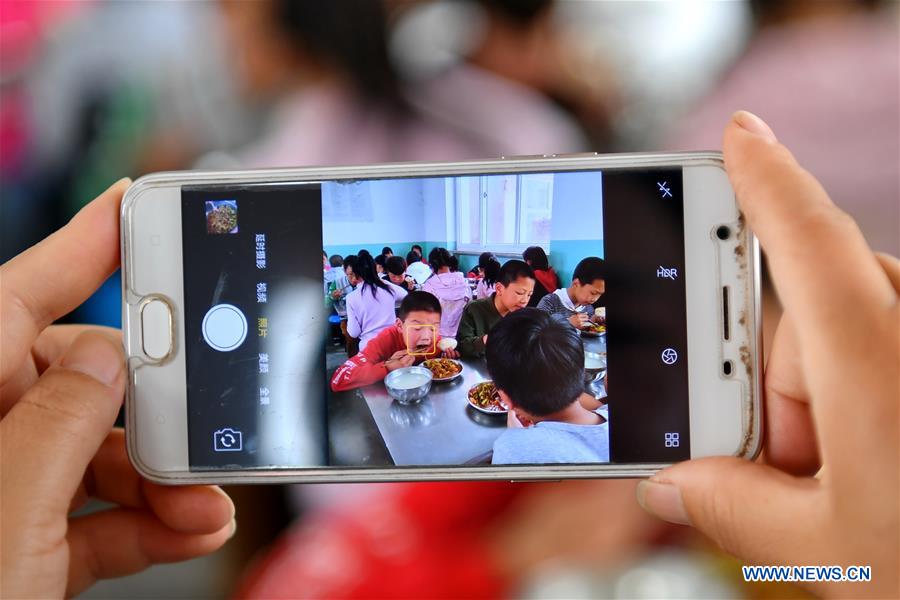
[(227, 440)]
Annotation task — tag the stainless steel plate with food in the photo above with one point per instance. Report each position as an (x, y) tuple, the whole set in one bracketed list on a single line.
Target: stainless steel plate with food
[(484, 397), (444, 369), (593, 330)]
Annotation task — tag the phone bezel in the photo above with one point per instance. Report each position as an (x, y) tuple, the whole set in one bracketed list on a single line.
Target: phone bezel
[(156, 423)]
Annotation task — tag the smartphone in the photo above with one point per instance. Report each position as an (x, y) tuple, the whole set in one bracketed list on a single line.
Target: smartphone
[(239, 337)]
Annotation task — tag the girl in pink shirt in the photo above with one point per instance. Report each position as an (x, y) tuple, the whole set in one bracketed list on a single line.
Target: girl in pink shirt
[(450, 287)]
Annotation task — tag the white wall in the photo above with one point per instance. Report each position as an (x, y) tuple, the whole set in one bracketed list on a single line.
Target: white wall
[(367, 212), (577, 206), (438, 210)]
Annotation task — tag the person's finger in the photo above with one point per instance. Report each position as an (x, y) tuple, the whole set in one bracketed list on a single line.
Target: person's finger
[(195, 509), (121, 541), (810, 242), (58, 425), (45, 351), (891, 266), (52, 278), (790, 434), (831, 284), (746, 508)]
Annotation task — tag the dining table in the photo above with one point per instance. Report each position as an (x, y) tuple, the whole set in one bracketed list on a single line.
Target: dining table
[(443, 428)]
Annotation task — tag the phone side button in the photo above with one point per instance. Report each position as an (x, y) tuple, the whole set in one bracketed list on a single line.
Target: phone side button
[(156, 329)]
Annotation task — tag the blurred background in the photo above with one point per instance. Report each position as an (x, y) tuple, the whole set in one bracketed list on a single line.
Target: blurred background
[(92, 91)]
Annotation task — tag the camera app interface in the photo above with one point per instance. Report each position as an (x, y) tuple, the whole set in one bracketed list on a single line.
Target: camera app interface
[(445, 321)]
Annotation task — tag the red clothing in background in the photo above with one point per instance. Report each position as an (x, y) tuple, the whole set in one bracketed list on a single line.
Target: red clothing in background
[(367, 367), (547, 278), (422, 540)]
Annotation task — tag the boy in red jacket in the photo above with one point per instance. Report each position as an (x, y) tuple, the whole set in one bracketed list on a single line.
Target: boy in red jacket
[(413, 338)]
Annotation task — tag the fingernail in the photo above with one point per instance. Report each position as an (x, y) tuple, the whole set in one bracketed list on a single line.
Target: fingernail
[(750, 122), (94, 356), (662, 499), (233, 528), (227, 498)]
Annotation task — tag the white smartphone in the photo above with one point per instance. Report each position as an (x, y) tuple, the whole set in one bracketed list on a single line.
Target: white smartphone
[(239, 341)]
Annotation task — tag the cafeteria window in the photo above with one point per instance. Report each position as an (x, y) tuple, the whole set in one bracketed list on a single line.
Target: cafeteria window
[(503, 213)]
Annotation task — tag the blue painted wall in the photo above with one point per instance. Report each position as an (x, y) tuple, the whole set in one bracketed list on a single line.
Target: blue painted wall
[(576, 228)]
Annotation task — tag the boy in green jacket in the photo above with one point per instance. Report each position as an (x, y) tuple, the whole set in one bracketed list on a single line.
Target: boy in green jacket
[(514, 287)]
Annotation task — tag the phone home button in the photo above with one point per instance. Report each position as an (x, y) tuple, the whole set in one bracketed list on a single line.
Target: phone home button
[(156, 329)]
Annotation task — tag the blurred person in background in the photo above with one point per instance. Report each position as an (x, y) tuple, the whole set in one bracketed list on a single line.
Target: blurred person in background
[(505, 90), (337, 99), (97, 89), (826, 75)]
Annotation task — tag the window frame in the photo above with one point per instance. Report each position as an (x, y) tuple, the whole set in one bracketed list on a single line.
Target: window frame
[(514, 249)]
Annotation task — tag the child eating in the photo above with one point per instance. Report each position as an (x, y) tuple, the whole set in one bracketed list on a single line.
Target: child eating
[(512, 290), (574, 303), (537, 364), (396, 272), (416, 328)]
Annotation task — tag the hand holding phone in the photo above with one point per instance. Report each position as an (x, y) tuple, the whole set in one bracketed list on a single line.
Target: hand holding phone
[(62, 389), (827, 477)]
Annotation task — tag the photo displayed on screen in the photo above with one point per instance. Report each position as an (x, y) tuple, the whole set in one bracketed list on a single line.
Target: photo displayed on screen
[(453, 327), (455, 321)]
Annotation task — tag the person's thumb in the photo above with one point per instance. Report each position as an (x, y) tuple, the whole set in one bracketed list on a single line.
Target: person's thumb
[(51, 434), (746, 508)]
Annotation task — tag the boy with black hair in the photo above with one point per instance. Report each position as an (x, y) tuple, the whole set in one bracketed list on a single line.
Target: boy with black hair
[(575, 303), (387, 251), (416, 267), (380, 263), (395, 268), (341, 283), (416, 330), (537, 364), (512, 290)]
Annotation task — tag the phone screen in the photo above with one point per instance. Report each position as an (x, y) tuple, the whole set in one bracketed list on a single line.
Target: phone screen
[(349, 323)]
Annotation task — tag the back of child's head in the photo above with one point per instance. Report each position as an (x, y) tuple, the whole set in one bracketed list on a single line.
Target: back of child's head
[(335, 260), (387, 250), (513, 270), (418, 301), (536, 257), (439, 258), (589, 270), (412, 257), (486, 257), (395, 265), (364, 252), (491, 270), (536, 360)]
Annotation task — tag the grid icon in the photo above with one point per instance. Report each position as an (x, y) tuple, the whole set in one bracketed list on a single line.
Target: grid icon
[(672, 440)]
